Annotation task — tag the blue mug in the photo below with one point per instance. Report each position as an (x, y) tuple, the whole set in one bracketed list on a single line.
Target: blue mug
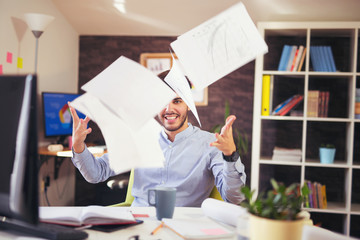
[(163, 199)]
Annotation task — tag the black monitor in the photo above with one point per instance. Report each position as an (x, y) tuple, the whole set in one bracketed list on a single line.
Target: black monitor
[(19, 205), (18, 148), (56, 114)]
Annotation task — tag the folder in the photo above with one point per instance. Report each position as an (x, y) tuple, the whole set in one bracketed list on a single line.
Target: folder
[(265, 106)]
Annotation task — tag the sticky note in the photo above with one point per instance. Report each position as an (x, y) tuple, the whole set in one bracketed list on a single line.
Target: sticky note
[(213, 231), (1, 69), (9, 57), (20, 62)]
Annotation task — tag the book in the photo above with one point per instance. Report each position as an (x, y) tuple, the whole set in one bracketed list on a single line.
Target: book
[(311, 204), (91, 215), (313, 103), (291, 105), (317, 196), (282, 105), (324, 199), (294, 60), (331, 58), (265, 104), (284, 57), (326, 104), (302, 60), (197, 228), (291, 57), (298, 58)]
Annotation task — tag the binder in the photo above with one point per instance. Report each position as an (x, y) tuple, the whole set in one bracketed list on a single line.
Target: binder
[(265, 105)]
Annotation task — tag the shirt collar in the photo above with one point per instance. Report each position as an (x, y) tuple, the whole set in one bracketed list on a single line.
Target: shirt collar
[(181, 135)]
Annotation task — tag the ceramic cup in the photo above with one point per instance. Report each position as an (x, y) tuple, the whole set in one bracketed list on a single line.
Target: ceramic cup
[(163, 199)]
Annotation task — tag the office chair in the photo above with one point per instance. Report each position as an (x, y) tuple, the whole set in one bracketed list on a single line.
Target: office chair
[(129, 198)]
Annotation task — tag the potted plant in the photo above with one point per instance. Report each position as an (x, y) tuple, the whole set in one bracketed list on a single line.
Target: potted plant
[(276, 214), (327, 153)]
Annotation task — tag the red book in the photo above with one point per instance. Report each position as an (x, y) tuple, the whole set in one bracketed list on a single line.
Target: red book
[(293, 103)]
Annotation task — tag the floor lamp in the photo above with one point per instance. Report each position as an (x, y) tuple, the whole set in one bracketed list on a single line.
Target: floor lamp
[(37, 23)]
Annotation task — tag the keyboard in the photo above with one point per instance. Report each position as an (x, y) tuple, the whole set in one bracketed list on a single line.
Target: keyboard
[(45, 230)]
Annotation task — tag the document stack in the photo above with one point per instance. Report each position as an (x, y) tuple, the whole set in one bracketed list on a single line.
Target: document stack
[(286, 154)]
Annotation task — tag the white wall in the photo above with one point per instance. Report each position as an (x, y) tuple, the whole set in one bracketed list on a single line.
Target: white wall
[(58, 48), (57, 72)]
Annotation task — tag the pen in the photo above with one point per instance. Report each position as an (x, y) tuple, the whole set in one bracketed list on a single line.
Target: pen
[(157, 229)]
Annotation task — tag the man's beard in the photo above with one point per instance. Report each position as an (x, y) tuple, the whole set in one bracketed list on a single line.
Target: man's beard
[(175, 128)]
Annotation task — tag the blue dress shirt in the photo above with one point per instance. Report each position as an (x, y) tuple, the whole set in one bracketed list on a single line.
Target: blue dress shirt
[(191, 165)]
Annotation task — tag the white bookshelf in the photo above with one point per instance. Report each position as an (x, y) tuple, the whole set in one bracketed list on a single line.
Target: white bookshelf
[(304, 132)]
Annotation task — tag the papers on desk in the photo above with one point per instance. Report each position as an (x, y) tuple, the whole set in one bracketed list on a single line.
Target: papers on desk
[(223, 211), (217, 213), (124, 98), (198, 228), (91, 215)]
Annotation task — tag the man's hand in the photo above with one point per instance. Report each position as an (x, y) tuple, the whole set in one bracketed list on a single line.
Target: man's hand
[(225, 141), (80, 130)]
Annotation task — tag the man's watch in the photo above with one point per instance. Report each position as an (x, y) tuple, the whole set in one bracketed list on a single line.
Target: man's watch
[(232, 158)]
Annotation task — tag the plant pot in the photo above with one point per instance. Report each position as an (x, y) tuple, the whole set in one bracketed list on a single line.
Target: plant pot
[(327, 155), (270, 229)]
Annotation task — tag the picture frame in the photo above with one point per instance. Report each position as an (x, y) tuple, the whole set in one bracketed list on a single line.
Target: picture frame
[(159, 62)]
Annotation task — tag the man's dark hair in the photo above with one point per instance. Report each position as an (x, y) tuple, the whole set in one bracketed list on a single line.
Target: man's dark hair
[(163, 74)]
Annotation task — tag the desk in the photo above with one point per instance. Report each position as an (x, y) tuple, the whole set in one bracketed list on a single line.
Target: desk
[(150, 223), (143, 230)]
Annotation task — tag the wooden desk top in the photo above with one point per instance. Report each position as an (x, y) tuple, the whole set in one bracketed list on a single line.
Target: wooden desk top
[(45, 152)]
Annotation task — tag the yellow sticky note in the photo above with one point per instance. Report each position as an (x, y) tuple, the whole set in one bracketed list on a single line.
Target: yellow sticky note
[(20, 62)]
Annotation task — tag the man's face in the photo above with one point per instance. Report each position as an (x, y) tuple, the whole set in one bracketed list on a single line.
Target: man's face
[(174, 116)]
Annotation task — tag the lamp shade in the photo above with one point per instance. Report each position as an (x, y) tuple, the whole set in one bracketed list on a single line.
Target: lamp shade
[(37, 21)]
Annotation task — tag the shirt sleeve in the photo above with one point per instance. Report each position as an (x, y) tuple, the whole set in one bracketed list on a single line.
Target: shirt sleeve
[(94, 170), (229, 178)]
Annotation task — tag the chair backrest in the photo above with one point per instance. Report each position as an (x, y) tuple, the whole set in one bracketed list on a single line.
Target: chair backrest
[(129, 198)]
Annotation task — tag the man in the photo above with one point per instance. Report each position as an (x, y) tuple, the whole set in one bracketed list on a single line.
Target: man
[(194, 159)]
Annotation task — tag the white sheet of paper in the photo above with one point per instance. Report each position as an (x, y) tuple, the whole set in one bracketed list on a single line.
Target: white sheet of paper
[(127, 148), (180, 85), (219, 46), (131, 91)]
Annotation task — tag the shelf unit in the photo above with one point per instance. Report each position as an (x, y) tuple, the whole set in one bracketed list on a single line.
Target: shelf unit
[(342, 178)]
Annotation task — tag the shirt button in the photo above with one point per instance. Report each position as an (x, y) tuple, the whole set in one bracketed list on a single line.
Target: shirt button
[(170, 146), (162, 182)]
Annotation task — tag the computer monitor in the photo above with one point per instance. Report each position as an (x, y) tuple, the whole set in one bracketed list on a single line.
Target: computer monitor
[(19, 204), (18, 149), (56, 114)]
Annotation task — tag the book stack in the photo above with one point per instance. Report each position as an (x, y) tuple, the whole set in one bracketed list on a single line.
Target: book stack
[(322, 59), (317, 196), (286, 154), (284, 108), (292, 58), (318, 103), (357, 104)]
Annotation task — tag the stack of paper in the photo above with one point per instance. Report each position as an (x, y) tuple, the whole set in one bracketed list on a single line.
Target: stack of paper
[(286, 154)]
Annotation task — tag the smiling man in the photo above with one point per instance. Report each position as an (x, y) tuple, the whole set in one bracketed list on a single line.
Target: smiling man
[(195, 160)]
